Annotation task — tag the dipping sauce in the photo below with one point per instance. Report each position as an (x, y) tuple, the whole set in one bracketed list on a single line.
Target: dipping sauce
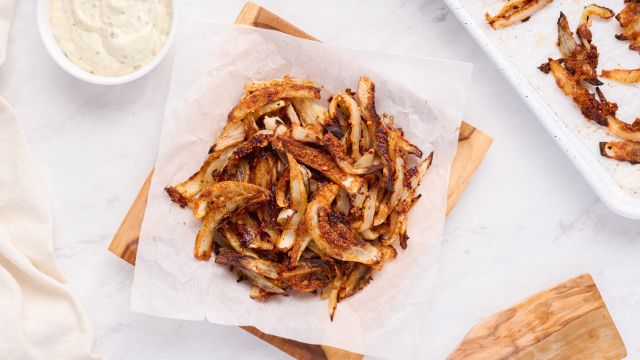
[(110, 37)]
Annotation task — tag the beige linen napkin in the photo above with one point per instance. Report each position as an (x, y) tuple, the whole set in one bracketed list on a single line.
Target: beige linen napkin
[(39, 319)]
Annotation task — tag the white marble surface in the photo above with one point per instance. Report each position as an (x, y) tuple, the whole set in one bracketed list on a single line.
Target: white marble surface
[(526, 222)]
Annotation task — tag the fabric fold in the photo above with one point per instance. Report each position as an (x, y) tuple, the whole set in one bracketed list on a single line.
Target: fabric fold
[(39, 317)]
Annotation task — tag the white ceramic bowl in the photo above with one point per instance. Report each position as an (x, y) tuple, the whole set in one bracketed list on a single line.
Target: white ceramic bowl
[(56, 53)]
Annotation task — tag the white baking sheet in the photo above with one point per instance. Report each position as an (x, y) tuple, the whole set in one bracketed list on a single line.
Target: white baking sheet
[(212, 64), (519, 49)]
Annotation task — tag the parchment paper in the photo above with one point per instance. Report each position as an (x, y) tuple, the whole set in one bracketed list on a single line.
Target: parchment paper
[(531, 43), (211, 66)]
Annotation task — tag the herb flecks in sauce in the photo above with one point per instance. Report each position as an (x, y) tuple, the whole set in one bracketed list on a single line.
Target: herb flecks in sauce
[(110, 37)]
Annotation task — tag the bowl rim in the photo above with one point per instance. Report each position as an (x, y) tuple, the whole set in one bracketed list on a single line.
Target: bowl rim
[(55, 52)]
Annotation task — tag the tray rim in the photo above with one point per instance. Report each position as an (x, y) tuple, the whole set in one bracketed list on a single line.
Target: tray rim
[(596, 176)]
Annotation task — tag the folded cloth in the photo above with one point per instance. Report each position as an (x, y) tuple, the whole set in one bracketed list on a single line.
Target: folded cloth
[(39, 319)]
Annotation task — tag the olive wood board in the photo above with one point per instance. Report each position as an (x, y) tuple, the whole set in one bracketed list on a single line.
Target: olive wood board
[(568, 321), (473, 145)]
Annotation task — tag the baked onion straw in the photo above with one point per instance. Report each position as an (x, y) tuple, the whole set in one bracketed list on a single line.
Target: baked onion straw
[(296, 196), (577, 68)]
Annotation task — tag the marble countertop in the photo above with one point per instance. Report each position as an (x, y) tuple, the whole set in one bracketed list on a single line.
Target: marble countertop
[(521, 226)]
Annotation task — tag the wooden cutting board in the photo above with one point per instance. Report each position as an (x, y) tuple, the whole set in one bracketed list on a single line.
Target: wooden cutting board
[(566, 322)]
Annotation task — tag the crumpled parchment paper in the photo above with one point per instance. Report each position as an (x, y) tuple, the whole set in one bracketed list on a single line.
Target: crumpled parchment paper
[(212, 64)]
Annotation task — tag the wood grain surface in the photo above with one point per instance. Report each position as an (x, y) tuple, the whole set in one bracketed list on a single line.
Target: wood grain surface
[(568, 321), (472, 147)]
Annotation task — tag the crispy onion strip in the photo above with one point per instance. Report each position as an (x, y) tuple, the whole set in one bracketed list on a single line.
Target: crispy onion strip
[(264, 172), (233, 133), (282, 190), (351, 106), (358, 278), (388, 253), (360, 196), (337, 150), (622, 75), (227, 192), (343, 204), (629, 20), (398, 182), (262, 282), (383, 210), (218, 206), (623, 130), (514, 12), (621, 150), (298, 194), (590, 107), (274, 106), (369, 209), (309, 112), (367, 159), (233, 239), (255, 85), (357, 250), (305, 134), (266, 95), (597, 10), (322, 162), (215, 162), (378, 131), (259, 266)]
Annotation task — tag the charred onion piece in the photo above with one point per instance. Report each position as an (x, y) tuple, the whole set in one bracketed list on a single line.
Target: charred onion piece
[(256, 141), (580, 59), (232, 134), (322, 162), (309, 275), (309, 112), (597, 10), (338, 151), (332, 235), (262, 267), (590, 107), (377, 130), (629, 19), (357, 279), (622, 130), (262, 282), (621, 150), (218, 194), (622, 75), (255, 85), (515, 11), (351, 107), (219, 202), (298, 194), (266, 95), (585, 23), (599, 110)]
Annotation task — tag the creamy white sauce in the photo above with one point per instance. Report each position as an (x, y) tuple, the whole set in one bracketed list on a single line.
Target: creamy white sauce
[(110, 37)]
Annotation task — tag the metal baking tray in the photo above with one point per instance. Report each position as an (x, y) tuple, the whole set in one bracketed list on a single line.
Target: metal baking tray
[(518, 49)]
